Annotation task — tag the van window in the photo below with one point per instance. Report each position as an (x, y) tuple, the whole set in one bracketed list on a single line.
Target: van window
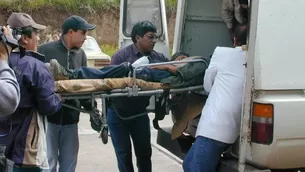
[(139, 10)]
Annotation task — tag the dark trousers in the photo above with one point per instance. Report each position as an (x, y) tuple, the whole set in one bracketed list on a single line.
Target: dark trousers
[(119, 71), (122, 131)]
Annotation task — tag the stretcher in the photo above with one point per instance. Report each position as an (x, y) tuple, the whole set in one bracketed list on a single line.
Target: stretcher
[(121, 87)]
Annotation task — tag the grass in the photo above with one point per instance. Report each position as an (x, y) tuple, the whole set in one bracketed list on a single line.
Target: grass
[(171, 4), (70, 5), (109, 49)]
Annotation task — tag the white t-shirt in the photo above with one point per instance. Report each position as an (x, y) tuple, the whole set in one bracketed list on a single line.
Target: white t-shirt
[(224, 81)]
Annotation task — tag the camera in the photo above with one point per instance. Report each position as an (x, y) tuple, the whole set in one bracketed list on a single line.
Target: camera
[(11, 40)]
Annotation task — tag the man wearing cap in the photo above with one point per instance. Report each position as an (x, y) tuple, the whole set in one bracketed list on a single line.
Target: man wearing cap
[(9, 92), (23, 132), (62, 133)]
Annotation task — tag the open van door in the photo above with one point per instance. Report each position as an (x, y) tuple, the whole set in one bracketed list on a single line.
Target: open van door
[(132, 11), (200, 28)]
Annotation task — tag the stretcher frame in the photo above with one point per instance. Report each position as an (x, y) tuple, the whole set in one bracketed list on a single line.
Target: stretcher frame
[(132, 91)]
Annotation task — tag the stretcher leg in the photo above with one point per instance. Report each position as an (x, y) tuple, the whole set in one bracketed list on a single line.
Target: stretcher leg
[(104, 131)]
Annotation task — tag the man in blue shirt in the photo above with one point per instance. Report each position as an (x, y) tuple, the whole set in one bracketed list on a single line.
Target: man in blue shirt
[(143, 36)]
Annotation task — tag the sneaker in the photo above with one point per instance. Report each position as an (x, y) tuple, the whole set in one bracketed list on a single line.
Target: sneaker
[(57, 71)]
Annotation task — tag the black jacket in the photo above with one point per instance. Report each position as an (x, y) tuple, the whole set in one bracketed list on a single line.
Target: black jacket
[(70, 59)]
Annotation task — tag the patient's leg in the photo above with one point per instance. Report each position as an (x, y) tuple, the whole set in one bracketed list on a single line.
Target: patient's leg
[(113, 71), (153, 75), (57, 71)]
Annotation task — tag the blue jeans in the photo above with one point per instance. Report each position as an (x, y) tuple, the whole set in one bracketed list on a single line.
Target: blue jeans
[(62, 146), (153, 75), (111, 71), (119, 71), (204, 155), (138, 130)]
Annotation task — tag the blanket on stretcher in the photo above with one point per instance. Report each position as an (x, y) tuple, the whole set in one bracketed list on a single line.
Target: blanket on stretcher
[(95, 85)]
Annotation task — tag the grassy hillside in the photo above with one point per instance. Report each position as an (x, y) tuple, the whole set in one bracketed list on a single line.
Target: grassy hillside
[(70, 5), (58, 7)]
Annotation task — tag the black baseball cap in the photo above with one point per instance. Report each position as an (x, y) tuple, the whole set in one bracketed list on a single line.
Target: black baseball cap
[(76, 22)]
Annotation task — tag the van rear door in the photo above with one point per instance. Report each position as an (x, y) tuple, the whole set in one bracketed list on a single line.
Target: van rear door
[(200, 27), (132, 11)]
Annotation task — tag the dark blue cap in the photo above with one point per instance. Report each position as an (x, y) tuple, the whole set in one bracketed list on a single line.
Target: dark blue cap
[(76, 22)]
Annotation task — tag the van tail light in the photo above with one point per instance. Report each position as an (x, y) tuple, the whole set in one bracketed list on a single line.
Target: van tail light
[(262, 123)]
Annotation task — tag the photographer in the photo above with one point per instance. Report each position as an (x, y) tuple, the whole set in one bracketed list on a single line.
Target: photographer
[(9, 92), (23, 132)]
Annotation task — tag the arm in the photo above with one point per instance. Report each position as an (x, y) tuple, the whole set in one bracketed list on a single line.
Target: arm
[(210, 75), (227, 13), (171, 68), (117, 58), (9, 92), (47, 101)]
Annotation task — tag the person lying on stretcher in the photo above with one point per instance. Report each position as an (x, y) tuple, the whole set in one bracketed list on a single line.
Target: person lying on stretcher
[(153, 74)]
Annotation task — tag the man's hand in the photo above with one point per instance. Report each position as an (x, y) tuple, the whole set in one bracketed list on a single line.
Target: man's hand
[(7, 30), (3, 48)]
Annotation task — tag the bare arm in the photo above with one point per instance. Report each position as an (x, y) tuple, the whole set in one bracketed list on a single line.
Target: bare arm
[(171, 68)]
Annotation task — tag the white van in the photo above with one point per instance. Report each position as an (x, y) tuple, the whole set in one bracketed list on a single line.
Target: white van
[(273, 125)]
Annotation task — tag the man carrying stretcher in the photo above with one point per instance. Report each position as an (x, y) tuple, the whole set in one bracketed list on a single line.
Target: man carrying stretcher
[(143, 35)]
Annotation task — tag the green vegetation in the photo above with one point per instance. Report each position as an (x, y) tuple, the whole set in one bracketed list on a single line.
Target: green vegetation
[(109, 49), (70, 5), (73, 6), (171, 4)]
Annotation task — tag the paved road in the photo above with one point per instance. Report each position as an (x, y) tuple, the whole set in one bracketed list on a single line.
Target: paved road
[(94, 156)]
